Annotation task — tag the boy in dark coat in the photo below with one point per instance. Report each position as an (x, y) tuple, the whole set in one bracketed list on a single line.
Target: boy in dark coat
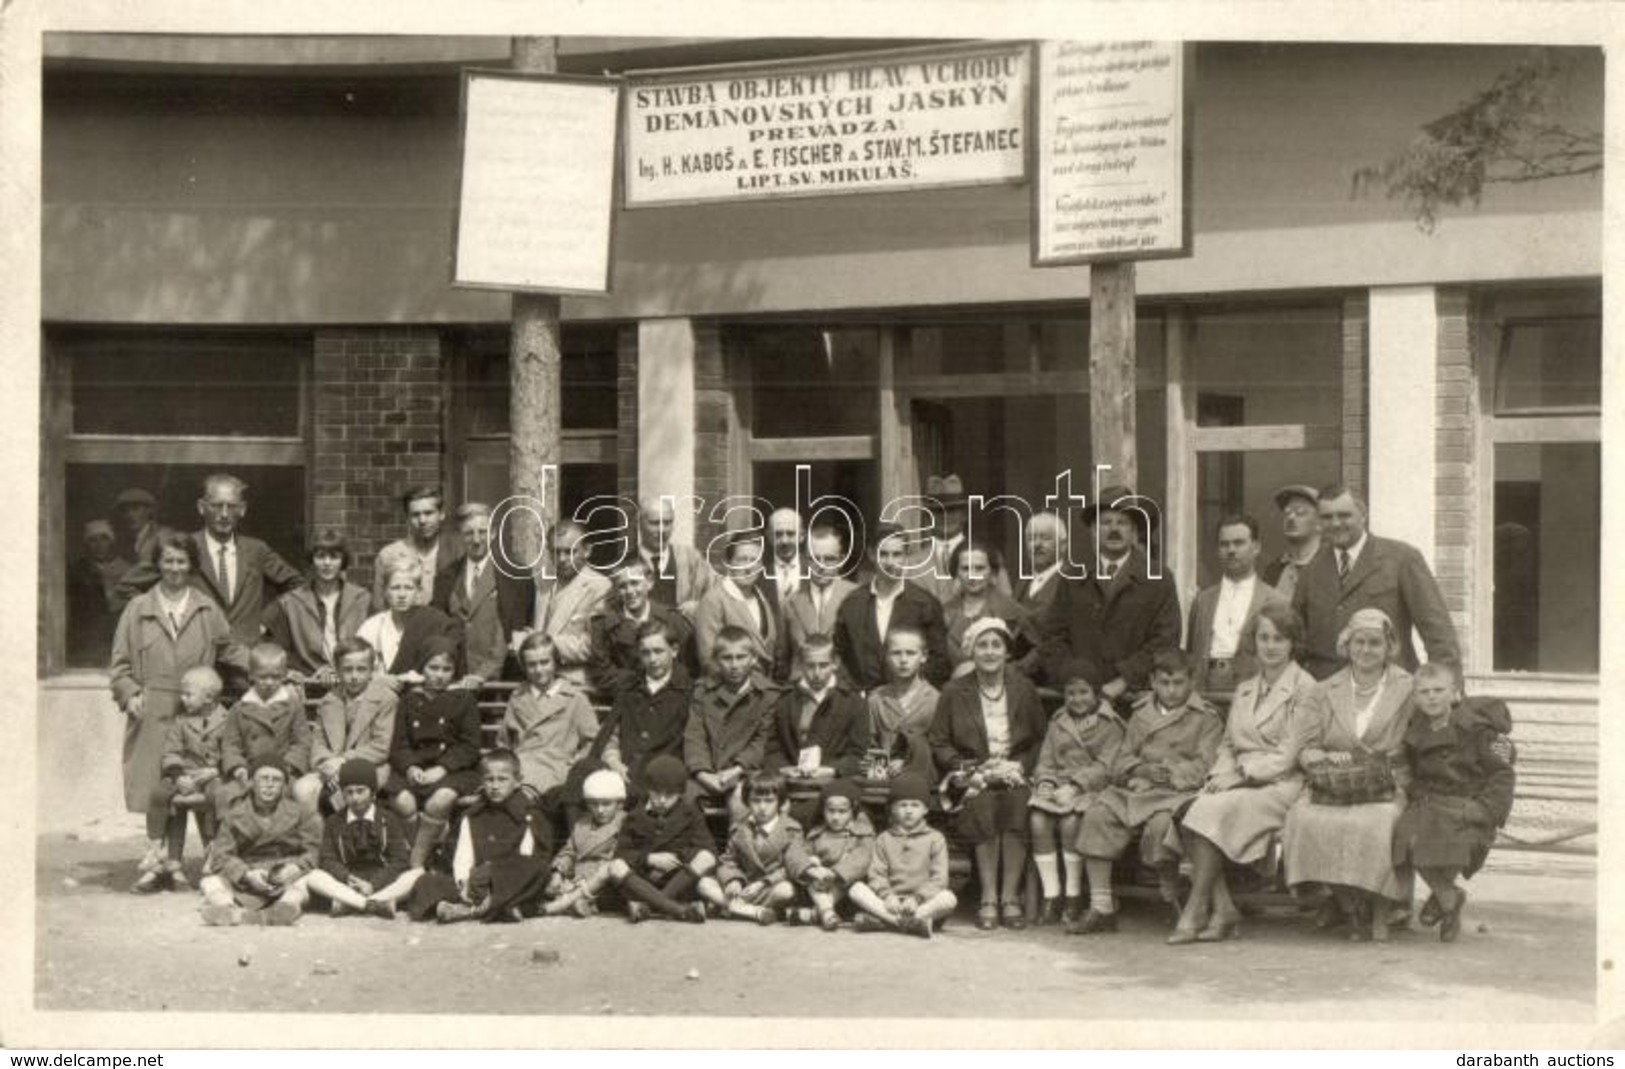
[(363, 863), (664, 849), (649, 717), (728, 721), (502, 857), (751, 882), (1460, 791), (820, 728)]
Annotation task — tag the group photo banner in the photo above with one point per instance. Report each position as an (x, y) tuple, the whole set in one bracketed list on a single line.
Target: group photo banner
[(875, 122)]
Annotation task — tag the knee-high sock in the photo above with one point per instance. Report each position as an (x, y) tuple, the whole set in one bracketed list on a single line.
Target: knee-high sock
[(641, 890), (1049, 874), (1072, 861), (1100, 883)]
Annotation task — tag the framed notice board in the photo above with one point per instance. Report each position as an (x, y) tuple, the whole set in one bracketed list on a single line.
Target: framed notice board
[(1111, 151), (536, 193)]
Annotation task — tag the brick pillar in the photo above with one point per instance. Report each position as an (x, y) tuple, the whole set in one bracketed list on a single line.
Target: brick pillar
[(378, 430), (1356, 325), (1456, 466)]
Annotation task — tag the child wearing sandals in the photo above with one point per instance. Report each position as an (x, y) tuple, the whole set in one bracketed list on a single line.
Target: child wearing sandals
[(1460, 791), (581, 867), (1074, 766), (833, 856)]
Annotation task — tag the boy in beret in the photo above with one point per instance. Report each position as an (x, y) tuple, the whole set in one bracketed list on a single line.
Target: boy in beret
[(581, 868), (906, 888), (664, 849), (266, 844), (365, 847), (833, 857)]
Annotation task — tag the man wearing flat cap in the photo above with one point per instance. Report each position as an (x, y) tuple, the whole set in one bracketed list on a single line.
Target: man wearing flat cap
[(1357, 570), (1116, 619), (136, 511), (1300, 526)]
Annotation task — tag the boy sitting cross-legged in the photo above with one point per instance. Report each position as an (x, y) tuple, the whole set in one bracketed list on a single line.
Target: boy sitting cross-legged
[(833, 856), (751, 882), (906, 887), (363, 867), (664, 849)]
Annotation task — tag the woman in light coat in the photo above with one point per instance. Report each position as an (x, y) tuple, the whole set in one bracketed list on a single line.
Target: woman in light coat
[(1254, 781), (163, 632), (1359, 713)]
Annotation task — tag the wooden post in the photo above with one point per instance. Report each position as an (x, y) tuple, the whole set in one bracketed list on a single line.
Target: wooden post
[(535, 398), (1111, 373)]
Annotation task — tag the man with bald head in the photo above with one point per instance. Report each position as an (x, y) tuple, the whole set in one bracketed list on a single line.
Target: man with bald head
[(567, 602), (782, 577), (1357, 570), (679, 572)]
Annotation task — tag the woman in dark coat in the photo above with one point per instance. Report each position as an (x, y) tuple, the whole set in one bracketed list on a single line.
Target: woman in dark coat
[(985, 738), (1460, 791)]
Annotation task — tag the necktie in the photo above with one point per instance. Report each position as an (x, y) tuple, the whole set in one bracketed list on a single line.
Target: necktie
[(174, 622), (225, 574), (1342, 563), (322, 621)]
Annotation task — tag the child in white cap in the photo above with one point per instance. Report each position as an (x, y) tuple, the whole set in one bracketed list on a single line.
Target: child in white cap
[(581, 867)]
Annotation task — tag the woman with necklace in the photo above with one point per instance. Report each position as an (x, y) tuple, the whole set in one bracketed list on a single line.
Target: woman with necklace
[(1354, 718), (1254, 780), (978, 595), (985, 737), (163, 632)]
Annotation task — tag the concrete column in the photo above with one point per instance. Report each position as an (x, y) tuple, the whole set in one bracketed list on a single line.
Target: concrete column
[(666, 418), (1403, 415)]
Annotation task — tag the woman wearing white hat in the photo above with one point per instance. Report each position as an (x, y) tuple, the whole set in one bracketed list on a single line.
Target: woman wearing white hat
[(985, 737), (1339, 835)]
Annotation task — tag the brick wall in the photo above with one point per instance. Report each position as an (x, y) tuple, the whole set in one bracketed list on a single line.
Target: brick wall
[(378, 429), (1356, 337), (1455, 464)]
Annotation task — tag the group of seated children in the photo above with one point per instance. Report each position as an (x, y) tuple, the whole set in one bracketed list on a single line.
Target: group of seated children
[(403, 772)]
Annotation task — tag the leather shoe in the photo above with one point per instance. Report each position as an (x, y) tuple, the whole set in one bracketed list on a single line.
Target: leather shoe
[(1049, 914), (1432, 913), (987, 918), (1450, 921), (1094, 923), (1182, 937), (1218, 930), (1014, 917)]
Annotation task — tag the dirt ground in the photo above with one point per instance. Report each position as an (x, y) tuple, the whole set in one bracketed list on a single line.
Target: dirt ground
[(1526, 953)]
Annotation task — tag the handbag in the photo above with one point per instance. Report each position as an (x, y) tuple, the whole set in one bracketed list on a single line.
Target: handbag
[(1369, 778)]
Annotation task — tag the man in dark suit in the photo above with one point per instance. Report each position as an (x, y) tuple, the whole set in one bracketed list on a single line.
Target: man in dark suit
[(783, 576), (1118, 619), (887, 601), (491, 606), (1222, 614), (243, 575), (1355, 570)]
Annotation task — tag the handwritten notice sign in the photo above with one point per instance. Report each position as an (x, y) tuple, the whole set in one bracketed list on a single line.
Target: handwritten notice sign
[(857, 124), (538, 181), (1109, 128)]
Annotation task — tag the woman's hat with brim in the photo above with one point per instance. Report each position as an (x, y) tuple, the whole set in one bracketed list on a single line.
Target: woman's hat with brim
[(981, 627)]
